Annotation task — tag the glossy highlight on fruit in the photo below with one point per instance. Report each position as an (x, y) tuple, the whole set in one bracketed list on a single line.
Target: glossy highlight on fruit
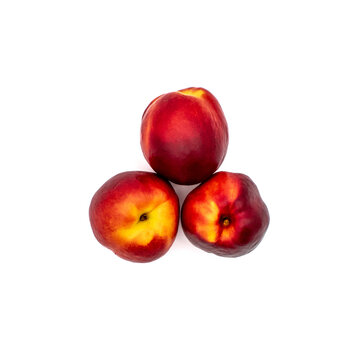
[(135, 214), (184, 135), (225, 215)]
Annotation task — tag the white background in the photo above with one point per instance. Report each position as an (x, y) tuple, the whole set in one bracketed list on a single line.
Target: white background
[(75, 78)]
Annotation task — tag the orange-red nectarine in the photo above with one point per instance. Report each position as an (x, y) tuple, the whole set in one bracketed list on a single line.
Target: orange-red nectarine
[(135, 214)]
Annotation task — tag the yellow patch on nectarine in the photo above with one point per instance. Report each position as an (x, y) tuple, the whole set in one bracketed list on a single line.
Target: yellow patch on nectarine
[(196, 92), (232, 191), (227, 234), (207, 226), (227, 186), (142, 232)]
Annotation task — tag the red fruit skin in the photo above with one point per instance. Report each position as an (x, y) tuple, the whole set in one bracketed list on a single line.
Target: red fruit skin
[(229, 196), (116, 208), (184, 135)]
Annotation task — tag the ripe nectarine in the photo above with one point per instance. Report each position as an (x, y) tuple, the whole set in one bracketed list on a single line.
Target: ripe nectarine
[(135, 214), (184, 135), (225, 215)]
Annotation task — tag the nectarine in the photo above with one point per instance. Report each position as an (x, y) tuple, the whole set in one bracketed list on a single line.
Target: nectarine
[(135, 214), (225, 215), (184, 135)]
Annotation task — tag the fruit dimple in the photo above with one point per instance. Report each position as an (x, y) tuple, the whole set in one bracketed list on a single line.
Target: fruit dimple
[(143, 217)]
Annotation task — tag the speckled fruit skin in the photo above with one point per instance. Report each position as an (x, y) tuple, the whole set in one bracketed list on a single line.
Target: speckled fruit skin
[(184, 135), (135, 214), (225, 215)]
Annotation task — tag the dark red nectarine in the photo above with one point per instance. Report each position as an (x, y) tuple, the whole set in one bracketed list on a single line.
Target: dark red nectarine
[(225, 215), (184, 135)]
